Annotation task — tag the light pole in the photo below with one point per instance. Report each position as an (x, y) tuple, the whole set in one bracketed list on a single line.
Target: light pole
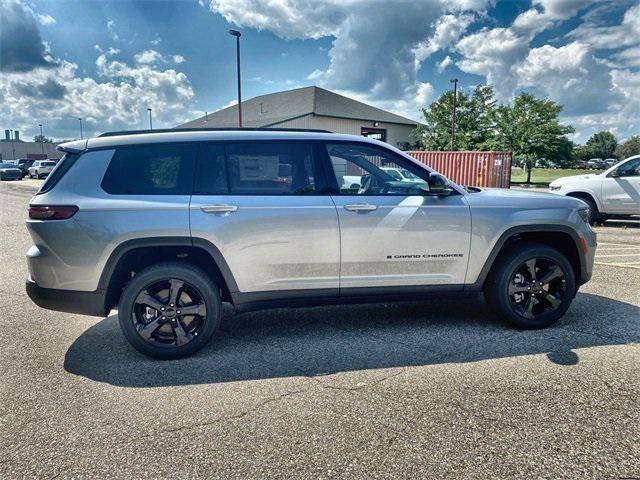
[(150, 121), (237, 34), (80, 120), (453, 113), (41, 139), (13, 145)]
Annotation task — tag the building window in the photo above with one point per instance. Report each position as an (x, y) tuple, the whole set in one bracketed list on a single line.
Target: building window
[(375, 133)]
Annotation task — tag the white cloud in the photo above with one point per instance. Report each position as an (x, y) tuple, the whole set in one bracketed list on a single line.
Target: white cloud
[(545, 13), (148, 56), (112, 31), (230, 103), (627, 34), (45, 19), (448, 29), (446, 62), (117, 99), (377, 48), (151, 56)]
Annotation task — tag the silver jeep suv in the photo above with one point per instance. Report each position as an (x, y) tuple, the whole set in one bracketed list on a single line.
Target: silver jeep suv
[(166, 225)]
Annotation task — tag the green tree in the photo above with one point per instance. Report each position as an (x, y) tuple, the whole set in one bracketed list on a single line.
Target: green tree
[(532, 130), (601, 145), (42, 139), (629, 148), (474, 121)]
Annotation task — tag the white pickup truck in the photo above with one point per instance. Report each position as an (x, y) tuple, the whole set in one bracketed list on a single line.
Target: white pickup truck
[(615, 191)]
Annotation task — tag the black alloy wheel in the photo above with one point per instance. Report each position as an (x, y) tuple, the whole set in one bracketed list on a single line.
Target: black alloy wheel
[(169, 313), (170, 310), (537, 286), (531, 285)]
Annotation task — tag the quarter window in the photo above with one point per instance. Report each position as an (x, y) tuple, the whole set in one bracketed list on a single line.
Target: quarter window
[(271, 168), (153, 169)]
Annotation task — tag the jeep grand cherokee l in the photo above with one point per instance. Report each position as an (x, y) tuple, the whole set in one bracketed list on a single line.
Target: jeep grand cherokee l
[(165, 226)]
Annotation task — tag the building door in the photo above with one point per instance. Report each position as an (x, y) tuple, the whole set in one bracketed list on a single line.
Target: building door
[(375, 133)]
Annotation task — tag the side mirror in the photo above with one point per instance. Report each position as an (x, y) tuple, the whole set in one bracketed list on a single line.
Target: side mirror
[(438, 184), (614, 173)]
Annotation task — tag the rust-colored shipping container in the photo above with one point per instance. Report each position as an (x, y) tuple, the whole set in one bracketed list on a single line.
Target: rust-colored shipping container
[(480, 169)]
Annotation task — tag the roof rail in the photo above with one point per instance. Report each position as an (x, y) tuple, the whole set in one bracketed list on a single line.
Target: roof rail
[(225, 129)]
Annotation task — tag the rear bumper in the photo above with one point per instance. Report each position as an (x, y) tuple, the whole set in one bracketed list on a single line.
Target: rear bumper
[(70, 301)]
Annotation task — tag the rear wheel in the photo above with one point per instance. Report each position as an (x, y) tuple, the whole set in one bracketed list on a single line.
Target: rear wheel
[(532, 287), (169, 310)]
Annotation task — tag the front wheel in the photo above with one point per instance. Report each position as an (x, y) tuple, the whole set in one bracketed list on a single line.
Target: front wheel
[(170, 310), (532, 286)]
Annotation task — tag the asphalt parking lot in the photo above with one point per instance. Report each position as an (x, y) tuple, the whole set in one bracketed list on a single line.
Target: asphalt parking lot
[(409, 390)]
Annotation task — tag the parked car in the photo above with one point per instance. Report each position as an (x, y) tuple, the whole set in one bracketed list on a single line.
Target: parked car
[(596, 164), (24, 164), (166, 225), (610, 161), (10, 171), (616, 191), (41, 168)]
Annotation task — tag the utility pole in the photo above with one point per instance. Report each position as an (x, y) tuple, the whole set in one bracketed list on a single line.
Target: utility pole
[(150, 121), (453, 113), (80, 120), (237, 34), (41, 138)]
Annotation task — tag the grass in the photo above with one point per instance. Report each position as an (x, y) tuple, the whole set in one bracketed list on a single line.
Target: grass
[(546, 175)]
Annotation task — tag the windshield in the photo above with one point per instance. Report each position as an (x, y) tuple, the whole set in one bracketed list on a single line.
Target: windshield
[(7, 165), (48, 164)]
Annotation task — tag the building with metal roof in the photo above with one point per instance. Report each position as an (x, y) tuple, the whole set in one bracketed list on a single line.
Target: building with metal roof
[(313, 107)]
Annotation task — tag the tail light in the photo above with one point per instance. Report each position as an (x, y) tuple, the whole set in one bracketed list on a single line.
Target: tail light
[(52, 212)]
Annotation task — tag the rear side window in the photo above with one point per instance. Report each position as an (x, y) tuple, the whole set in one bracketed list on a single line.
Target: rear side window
[(211, 171), (271, 168), (154, 169), (61, 168)]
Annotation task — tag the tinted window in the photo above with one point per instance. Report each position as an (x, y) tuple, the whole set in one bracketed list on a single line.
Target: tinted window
[(630, 168), (368, 170), (211, 172), (271, 168), (156, 169), (63, 166)]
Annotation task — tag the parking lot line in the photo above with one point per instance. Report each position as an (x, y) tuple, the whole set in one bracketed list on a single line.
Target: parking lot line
[(619, 255), (635, 265)]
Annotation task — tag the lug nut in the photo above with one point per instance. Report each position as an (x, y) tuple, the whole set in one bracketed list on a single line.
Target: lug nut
[(171, 305), (178, 312), (162, 308), (164, 318)]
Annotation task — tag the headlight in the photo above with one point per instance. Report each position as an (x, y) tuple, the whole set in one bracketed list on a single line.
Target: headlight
[(584, 214), (555, 187)]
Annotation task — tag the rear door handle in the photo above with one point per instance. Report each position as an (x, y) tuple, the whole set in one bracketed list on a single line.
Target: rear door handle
[(219, 208), (360, 207)]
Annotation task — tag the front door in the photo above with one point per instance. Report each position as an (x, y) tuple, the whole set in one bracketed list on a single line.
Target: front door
[(259, 204), (621, 193), (392, 233)]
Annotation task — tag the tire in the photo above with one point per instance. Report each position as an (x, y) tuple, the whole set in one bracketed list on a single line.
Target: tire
[(594, 214), (162, 341), (552, 300)]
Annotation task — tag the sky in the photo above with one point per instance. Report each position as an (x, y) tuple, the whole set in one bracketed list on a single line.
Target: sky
[(108, 61)]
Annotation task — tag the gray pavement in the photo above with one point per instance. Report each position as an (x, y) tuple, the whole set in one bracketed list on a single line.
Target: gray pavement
[(409, 390)]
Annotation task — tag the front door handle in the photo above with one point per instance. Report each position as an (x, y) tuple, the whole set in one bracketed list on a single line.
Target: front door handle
[(360, 207), (219, 208)]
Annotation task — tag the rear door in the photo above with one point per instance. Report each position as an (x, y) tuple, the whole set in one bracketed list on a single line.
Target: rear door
[(259, 203), (392, 233)]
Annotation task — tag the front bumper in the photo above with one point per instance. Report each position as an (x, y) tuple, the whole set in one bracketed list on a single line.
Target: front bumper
[(70, 301)]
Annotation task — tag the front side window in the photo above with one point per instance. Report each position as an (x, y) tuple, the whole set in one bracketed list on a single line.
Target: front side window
[(154, 169), (630, 168), (369, 170), (271, 168)]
